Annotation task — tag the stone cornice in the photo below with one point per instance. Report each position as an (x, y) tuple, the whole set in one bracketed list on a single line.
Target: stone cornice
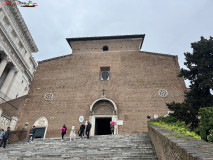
[(34, 62), (13, 46), (29, 74), (161, 54), (18, 22), (18, 54)]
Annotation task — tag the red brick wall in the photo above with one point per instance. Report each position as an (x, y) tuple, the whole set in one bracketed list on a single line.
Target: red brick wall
[(74, 80)]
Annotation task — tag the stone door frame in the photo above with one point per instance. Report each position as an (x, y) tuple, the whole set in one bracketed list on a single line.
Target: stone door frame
[(92, 117), (42, 122)]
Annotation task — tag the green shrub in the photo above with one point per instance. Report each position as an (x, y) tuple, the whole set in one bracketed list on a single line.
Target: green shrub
[(178, 126), (205, 126), (167, 119), (210, 136), (170, 119)]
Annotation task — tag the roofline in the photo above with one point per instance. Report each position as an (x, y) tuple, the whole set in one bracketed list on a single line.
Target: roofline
[(160, 54), (142, 42), (50, 59), (106, 38), (146, 52)]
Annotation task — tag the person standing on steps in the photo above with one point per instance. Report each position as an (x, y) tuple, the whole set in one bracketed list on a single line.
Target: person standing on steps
[(112, 129), (63, 132), (82, 128), (112, 126), (5, 138), (88, 129), (31, 135), (65, 128), (1, 135)]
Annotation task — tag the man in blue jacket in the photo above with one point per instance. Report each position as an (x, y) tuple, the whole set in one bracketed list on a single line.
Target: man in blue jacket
[(32, 132)]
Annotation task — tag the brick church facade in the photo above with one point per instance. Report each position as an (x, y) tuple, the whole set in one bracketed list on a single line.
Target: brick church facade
[(104, 79)]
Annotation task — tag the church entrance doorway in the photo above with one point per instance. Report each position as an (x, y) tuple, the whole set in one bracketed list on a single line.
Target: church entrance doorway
[(102, 111), (39, 132), (41, 125), (102, 126)]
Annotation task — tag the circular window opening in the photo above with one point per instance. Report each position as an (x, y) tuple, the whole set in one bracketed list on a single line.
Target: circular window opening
[(163, 93), (105, 75), (105, 48), (48, 96)]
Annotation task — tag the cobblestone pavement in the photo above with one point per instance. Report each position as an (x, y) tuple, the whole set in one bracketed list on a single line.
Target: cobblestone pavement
[(107, 147)]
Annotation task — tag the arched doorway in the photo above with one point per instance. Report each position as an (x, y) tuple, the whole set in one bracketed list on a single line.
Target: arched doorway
[(41, 125), (102, 111)]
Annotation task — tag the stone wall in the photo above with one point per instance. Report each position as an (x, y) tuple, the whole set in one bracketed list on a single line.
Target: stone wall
[(17, 136), (170, 145)]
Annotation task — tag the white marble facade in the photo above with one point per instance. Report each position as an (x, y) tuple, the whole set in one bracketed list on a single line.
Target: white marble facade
[(17, 65)]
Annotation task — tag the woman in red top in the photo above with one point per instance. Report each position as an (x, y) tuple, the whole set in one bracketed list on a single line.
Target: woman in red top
[(63, 132)]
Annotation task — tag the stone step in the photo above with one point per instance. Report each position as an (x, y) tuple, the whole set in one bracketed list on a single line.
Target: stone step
[(107, 147)]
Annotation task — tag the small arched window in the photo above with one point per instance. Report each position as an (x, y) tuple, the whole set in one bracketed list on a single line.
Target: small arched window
[(105, 48)]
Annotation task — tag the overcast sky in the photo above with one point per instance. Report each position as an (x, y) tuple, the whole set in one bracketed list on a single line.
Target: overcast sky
[(170, 25)]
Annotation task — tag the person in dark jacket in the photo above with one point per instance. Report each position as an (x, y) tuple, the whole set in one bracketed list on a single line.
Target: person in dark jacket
[(65, 128), (32, 133), (88, 129), (112, 129), (1, 135), (82, 128), (5, 138)]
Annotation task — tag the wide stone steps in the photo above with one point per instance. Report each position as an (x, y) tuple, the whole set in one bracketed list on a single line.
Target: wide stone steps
[(107, 147)]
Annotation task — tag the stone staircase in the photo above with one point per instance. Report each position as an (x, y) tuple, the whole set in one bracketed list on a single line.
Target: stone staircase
[(106, 147)]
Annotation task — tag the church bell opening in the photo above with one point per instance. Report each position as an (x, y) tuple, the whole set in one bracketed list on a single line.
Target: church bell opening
[(102, 126)]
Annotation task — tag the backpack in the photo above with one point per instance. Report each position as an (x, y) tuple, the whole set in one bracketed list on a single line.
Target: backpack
[(79, 132)]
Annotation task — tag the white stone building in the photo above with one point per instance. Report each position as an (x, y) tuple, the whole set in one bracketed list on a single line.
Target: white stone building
[(17, 65)]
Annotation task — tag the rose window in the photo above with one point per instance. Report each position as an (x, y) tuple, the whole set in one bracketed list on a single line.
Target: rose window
[(163, 93), (48, 96)]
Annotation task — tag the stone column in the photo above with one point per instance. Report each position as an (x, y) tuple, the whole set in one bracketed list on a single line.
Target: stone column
[(3, 64), (1, 111), (13, 123), (8, 80)]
